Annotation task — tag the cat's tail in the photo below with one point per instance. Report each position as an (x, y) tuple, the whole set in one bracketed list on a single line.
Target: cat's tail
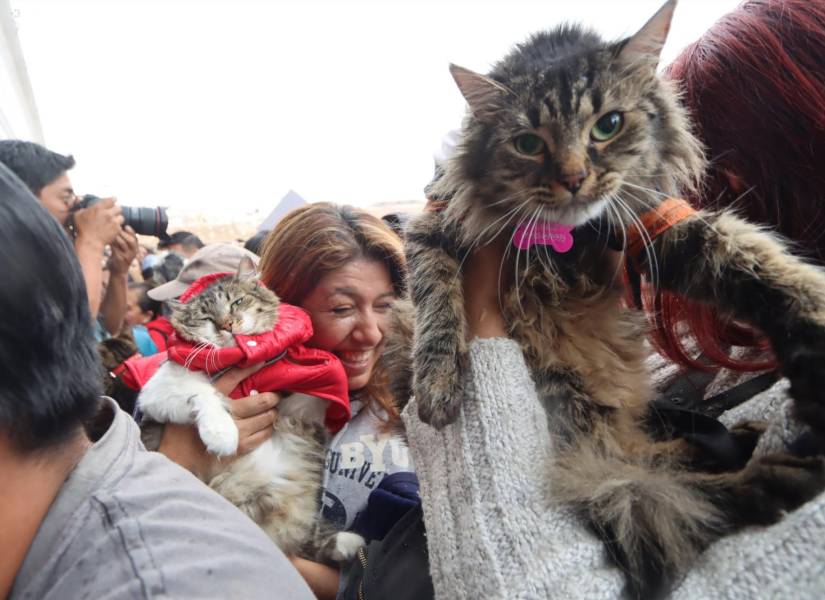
[(651, 518)]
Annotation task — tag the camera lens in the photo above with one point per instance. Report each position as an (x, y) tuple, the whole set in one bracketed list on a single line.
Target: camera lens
[(146, 221)]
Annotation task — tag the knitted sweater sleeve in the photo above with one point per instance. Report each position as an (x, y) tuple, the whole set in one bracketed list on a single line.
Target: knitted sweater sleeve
[(490, 531)]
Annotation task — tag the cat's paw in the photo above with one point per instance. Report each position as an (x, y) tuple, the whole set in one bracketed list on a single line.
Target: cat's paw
[(344, 546), (219, 435), (439, 397), (777, 483), (801, 353), (806, 371), (746, 434)]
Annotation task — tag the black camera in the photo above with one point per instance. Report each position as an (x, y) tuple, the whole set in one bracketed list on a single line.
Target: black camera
[(145, 221)]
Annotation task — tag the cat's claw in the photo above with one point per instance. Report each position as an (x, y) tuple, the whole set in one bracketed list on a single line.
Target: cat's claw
[(220, 436)]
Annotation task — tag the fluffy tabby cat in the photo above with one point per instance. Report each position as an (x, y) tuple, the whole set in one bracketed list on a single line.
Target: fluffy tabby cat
[(278, 484), (571, 129)]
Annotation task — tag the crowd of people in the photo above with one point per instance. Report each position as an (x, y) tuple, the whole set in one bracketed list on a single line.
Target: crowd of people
[(87, 511)]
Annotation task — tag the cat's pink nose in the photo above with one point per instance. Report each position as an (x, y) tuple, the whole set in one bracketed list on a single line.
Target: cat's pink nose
[(573, 181), (225, 325)]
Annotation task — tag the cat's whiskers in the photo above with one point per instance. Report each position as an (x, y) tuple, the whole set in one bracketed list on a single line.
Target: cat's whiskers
[(663, 197), (200, 347), (647, 203), (192, 355), (527, 263), (480, 237), (212, 359), (647, 241), (504, 255), (531, 228), (612, 211), (510, 197)]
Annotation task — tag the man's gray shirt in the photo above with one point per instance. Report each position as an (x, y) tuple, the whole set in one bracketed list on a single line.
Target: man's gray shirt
[(129, 523)]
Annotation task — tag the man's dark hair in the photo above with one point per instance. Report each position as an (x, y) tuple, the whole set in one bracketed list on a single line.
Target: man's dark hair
[(184, 238), (145, 303), (49, 368), (35, 165), (256, 242)]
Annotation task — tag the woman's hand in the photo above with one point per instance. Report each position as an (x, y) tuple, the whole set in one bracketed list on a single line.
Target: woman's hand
[(484, 281), (254, 416)]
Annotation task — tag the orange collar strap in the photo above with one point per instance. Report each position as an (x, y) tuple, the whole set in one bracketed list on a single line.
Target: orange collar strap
[(656, 222)]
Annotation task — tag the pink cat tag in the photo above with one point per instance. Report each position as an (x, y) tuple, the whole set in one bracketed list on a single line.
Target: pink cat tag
[(544, 233)]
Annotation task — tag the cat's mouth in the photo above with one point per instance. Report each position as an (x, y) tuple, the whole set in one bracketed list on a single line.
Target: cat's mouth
[(574, 212)]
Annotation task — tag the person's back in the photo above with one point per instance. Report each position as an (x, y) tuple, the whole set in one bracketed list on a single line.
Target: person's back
[(91, 512)]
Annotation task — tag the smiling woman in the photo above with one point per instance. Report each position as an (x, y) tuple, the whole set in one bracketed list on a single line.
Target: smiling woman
[(345, 267)]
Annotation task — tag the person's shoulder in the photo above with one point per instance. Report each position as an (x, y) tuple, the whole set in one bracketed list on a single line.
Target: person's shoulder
[(195, 541), (129, 523)]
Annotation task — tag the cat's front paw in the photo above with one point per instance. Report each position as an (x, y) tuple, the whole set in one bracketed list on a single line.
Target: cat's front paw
[(778, 483), (219, 435), (344, 546), (439, 397), (805, 369)]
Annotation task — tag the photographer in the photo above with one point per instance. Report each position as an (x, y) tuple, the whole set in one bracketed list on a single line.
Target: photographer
[(93, 228)]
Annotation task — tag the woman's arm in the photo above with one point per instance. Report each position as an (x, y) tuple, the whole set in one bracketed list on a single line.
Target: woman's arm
[(490, 533), (321, 579)]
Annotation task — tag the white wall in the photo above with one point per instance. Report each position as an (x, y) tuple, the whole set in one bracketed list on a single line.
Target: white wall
[(18, 110)]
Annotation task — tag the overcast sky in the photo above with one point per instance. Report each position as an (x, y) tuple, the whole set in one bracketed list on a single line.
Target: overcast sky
[(224, 106)]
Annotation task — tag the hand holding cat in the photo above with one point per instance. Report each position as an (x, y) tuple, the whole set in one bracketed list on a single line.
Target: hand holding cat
[(483, 281), (254, 415)]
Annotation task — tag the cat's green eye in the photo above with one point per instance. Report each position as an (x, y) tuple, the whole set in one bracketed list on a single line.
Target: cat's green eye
[(529, 144), (607, 126), (237, 302)]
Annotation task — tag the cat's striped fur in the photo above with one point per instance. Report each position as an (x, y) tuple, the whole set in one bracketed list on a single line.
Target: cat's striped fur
[(585, 350)]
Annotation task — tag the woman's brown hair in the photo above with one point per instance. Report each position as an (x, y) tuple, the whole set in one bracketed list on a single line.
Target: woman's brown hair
[(315, 240)]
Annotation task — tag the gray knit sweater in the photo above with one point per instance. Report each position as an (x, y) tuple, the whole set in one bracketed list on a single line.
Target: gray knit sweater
[(492, 534)]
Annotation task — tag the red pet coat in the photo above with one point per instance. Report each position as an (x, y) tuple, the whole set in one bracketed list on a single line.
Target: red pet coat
[(300, 369)]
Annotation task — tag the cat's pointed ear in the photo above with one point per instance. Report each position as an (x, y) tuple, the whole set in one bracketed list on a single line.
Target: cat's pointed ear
[(646, 45), (484, 95), (246, 270)]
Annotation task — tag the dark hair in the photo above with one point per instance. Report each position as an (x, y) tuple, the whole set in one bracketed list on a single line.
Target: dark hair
[(146, 303), (35, 165), (753, 84), (167, 269), (397, 222), (184, 238), (256, 242), (49, 366)]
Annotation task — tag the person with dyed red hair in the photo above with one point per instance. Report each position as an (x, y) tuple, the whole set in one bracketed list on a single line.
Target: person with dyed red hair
[(754, 84)]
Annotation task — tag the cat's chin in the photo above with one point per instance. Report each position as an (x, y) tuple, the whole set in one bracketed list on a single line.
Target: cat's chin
[(575, 214)]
